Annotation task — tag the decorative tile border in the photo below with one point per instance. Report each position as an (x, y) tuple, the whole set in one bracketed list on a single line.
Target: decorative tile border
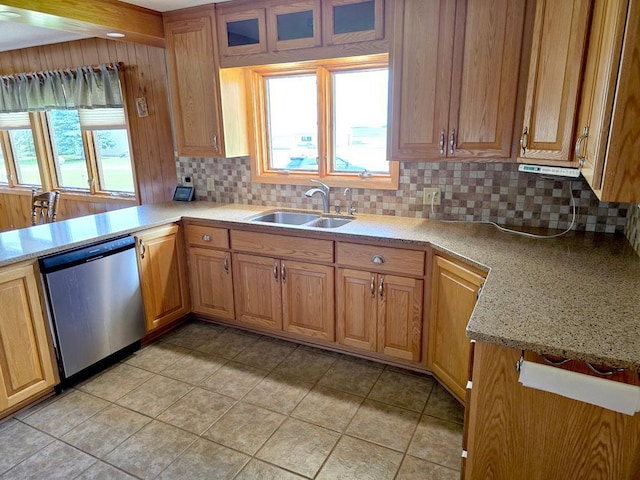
[(470, 191), (632, 230)]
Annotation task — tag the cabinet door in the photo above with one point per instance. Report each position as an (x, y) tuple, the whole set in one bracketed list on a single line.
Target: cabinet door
[(161, 260), (258, 296), (211, 282), (243, 32), (294, 25), (454, 294), (194, 86), (26, 363), (308, 300), (400, 317), (357, 307), (559, 38), (348, 21), (421, 63), (488, 36)]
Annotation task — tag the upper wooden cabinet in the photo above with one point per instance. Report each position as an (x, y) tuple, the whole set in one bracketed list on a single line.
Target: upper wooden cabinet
[(26, 360), (559, 39), (276, 31), (163, 275), (455, 69), (208, 105), (608, 129), (454, 291)]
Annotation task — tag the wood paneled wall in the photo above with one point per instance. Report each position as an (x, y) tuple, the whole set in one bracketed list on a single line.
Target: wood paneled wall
[(151, 136)]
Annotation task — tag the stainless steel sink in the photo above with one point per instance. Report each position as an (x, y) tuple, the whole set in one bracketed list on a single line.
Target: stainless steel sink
[(287, 218), (302, 218)]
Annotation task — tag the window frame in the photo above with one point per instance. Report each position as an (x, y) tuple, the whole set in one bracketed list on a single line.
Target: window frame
[(323, 70)]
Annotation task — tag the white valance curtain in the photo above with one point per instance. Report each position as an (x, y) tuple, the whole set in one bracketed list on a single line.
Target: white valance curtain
[(71, 88)]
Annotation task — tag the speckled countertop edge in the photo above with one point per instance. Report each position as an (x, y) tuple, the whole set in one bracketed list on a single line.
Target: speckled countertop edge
[(576, 296)]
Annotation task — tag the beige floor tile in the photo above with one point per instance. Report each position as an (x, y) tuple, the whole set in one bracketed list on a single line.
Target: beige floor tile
[(39, 405), (257, 469), (55, 461), (375, 421), (404, 390), (157, 357), (299, 447), (265, 354), (413, 468), (352, 377), (228, 344), (307, 364), (442, 405), (328, 408), (197, 410), (194, 367), (106, 430), (104, 471), (353, 458), (150, 450), (116, 382), (19, 441), (69, 411), (279, 392), (437, 441), (234, 379), (155, 395), (207, 461), (192, 335), (245, 427)]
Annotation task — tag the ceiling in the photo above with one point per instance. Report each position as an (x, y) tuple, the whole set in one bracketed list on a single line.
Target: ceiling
[(20, 35)]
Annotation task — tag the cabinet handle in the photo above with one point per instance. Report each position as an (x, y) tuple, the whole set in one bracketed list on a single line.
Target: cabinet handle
[(206, 237), (452, 142), (377, 259), (441, 142), (381, 288), (579, 155), (284, 273), (275, 271), (225, 264), (143, 248), (524, 140), (372, 287), (215, 143)]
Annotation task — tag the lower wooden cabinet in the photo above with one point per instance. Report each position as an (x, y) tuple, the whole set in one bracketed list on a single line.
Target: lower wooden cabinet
[(211, 282), (296, 297), (163, 275), (380, 313), (454, 291), (26, 360)]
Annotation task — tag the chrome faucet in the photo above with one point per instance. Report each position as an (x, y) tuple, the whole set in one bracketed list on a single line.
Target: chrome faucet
[(323, 190), (350, 208)]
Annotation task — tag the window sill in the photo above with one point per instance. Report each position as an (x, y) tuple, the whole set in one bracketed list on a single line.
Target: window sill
[(353, 181), (74, 195)]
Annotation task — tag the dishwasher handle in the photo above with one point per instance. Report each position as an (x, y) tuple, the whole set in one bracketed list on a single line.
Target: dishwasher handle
[(77, 256)]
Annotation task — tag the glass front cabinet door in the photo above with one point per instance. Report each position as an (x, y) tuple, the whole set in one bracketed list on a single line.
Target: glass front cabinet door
[(242, 33), (294, 25), (348, 21)]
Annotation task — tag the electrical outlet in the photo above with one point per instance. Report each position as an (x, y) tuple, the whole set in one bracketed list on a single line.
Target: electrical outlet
[(431, 195), (211, 185), (186, 180)]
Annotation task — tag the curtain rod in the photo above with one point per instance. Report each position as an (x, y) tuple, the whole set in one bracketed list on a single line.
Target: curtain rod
[(96, 68)]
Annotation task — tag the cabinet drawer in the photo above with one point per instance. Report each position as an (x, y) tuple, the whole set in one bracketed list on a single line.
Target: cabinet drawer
[(283, 246), (207, 236), (381, 259)]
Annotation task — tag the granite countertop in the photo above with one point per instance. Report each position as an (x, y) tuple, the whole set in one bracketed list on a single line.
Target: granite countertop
[(575, 296)]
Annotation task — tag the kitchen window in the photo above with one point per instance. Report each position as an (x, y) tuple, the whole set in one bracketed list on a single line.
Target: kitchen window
[(20, 163), (325, 119)]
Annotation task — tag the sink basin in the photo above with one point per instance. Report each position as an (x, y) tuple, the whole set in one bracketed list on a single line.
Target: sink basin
[(287, 218), (329, 222), (302, 218)]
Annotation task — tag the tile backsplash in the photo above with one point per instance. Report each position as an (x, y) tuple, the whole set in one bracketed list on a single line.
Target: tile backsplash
[(632, 230), (470, 191)]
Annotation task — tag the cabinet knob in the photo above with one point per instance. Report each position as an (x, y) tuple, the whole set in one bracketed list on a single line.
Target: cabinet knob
[(377, 259), (206, 237)]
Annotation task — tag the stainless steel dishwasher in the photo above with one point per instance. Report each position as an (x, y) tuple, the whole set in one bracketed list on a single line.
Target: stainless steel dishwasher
[(95, 304)]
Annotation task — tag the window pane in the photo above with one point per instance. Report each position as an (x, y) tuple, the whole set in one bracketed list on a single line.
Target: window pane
[(360, 109), (68, 149), (4, 178), (24, 155), (292, 112), (354, 17), (114, 160)]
